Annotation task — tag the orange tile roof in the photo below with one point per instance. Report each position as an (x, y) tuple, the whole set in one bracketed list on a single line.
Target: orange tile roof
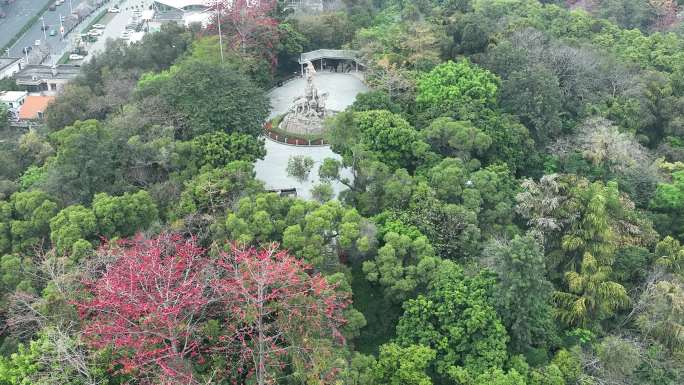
[(33, 105)]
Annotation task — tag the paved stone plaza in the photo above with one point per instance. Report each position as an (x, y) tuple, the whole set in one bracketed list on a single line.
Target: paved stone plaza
[(343, 89)]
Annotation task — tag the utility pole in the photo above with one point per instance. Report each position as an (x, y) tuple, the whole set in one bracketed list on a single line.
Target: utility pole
[(218, 21)]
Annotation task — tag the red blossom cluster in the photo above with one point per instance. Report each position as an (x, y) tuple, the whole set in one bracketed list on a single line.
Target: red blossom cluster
[(249, 26), (151, 304)]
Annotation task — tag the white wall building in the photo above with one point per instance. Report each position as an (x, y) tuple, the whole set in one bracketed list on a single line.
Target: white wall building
[(13, 99), (182, 11), (10, 66)]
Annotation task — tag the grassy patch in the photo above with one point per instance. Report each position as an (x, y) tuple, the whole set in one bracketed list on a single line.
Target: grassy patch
[(26, 26), (95, 21)]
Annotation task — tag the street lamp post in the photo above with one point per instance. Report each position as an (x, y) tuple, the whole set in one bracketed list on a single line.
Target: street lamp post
[(218, 22), (71, 10), (44, 33)]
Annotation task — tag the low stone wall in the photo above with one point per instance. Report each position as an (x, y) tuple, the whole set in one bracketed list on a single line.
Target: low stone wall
[(280, 138)]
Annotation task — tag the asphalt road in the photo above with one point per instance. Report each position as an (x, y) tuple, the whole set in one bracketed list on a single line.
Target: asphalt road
[(55, 43), (16, 15)]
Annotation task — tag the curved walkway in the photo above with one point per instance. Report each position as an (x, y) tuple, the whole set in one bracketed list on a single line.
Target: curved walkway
[(342, 89)]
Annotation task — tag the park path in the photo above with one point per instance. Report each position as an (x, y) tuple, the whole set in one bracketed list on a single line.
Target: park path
[(342, 89)]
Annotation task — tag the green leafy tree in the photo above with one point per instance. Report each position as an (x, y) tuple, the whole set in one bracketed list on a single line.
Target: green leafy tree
[(403, 262), (669, 200), (375, 100), (523, 294), (4, 117), (457, 320), (5, 226), (460, 90), (669, 253), (121, 216), (488, 193), (54, 358), (30, 224), (218, 189), (16, 273), (533, 94), (75, 103), (451, 228), (459, 139), (299, 167), (85, 163), (217, 149), (397, 365), (490, 377), (72, 224), (385, 135), (213, 97), (318, 233), (512, 144), (323, 192)]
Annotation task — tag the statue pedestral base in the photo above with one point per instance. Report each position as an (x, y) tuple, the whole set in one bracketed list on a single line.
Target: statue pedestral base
[(303, 125)]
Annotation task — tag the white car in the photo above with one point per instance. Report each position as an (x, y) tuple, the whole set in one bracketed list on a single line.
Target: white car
[(113, 10), (36, 43), (99, 26), (75, 56), (95, 32)]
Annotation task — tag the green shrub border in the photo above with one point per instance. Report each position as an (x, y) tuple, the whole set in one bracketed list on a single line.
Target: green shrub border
[(95, 20), (27, 26), (65, 58)]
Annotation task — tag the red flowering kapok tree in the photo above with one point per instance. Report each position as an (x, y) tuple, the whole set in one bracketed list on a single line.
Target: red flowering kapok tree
[(147, 306), (249, 26), (276, 312)]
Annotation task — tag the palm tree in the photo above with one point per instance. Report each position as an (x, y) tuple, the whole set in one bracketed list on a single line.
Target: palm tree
[(592, 296)]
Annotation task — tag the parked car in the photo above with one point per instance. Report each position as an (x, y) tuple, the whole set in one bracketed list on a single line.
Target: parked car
[(52, 7), (36, 43), (95, 32), (99, 26), (113, 10), (75, 56), (53, 32)]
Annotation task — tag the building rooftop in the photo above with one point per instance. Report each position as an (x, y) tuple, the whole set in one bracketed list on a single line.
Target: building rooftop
[(328, 54), (182, 4), (31, 74), (11, 96), (33, 105), (7, 61)]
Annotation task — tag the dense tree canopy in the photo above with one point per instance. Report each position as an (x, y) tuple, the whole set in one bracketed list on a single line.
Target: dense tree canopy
[(504, 206)]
